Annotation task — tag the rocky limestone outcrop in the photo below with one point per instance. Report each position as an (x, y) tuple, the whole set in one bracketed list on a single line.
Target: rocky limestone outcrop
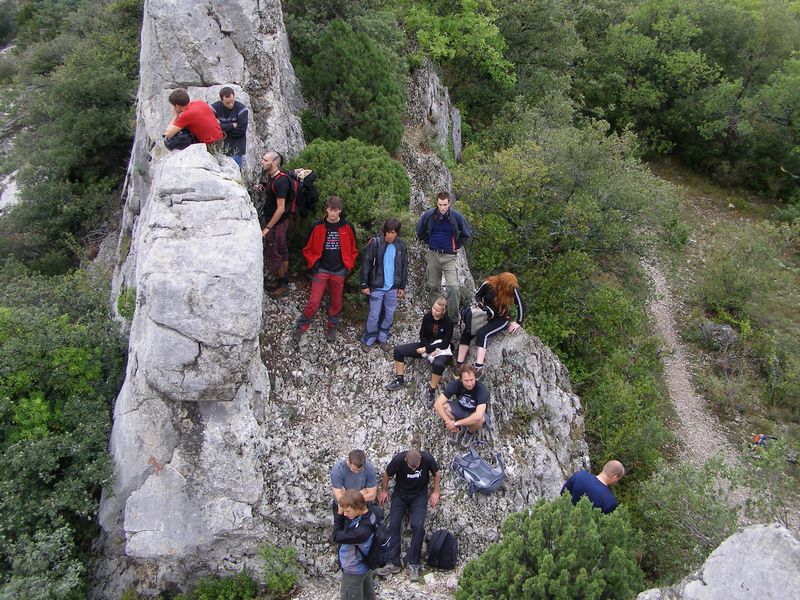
[(216, 455), (203, 47), (762, 561), (186, 437)]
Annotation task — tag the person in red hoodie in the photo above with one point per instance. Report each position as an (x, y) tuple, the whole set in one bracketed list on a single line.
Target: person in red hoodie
[(331, 254)]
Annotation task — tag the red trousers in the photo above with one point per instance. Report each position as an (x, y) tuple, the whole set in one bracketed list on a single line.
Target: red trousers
[(318, 284)]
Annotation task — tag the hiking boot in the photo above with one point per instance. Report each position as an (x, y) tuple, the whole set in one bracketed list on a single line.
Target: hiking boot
[(413, 572), (396, 385), (478, 373), (365, 348), (468, 438), (385, 346), (453, 436), (389, 569), (279, 292), (431, 397), (330, 334), (296, 335)]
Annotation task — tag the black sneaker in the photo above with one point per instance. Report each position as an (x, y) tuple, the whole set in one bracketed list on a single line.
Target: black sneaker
[(454, 436), (330, 334), (279, 292), (397, 384), (469, 438), (431, 397)]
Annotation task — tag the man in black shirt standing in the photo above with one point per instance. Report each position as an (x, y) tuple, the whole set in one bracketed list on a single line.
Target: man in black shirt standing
[(277, 188), (412, 472)]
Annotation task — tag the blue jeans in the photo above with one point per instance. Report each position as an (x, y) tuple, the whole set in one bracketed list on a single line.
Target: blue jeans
[(417, 506), (382, 304)]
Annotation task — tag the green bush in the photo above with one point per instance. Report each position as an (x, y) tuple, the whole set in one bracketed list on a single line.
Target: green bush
[(79, 117), (352, 90), (684, 514), (556, 550), (739, 270), (61, 364), (8, 21), (281, 569), (372, 185), (239, 587)]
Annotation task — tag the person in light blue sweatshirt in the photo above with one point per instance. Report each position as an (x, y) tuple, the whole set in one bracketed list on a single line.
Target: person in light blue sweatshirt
[(384, 275), (355, 533)]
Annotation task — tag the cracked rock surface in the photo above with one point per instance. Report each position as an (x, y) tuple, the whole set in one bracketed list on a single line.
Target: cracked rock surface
[(761, 561)]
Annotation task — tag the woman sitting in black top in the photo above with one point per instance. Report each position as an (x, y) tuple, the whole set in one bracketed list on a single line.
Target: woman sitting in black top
[(435, 334), (495, 296)]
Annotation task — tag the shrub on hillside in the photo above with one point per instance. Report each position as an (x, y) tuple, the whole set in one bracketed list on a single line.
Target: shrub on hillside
[(372, 185), (61, 363), (79, 118), (684, 514), (555, 550), (238, 587), (740, 269), (352, 90)]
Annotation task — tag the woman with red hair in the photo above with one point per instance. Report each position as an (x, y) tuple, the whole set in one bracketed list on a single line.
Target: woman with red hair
[(494, 296)]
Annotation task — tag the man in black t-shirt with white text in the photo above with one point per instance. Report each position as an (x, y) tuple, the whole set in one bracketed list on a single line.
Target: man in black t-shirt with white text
[(412, 471), (466, 414)]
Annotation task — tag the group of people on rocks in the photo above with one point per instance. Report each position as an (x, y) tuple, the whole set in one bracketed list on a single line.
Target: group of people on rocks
[(359, 498), (330, 252), (222, 124)]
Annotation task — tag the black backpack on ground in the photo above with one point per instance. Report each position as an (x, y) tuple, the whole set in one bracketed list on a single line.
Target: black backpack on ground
[(442, 550), (376, 557), (304, 193), (480, 476)]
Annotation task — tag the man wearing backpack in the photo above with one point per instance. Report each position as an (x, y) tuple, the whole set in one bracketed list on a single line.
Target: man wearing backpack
[(384, 275), (465, 415), (597, 488), (330, 253), (277, 190), (232, 116), (356, 534), (412, 471), (444, 230)]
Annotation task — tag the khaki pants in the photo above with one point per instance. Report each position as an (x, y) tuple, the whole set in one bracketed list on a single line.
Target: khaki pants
[(438, 265)]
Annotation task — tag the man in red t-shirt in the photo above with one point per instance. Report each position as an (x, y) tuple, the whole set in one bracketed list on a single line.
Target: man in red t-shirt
[(195, 116)]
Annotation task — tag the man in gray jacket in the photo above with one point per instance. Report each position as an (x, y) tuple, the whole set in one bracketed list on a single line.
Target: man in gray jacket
[(384, 275)]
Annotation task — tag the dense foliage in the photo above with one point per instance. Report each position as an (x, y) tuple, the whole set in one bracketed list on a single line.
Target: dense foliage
[(61, 363), (556, 550), (353, 90), (79, 73), (686, 514), (372, 185)]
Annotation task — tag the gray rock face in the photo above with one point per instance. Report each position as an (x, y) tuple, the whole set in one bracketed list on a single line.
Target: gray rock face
[(186, 436), (721, 336), (429, 107), (762, 561)]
